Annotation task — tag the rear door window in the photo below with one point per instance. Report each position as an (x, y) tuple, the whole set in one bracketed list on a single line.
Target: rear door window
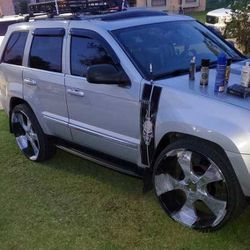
[(46, 52), (13, 53)]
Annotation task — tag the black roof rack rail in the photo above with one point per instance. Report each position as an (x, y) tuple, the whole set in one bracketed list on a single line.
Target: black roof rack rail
[(135, 13), (78, 6)]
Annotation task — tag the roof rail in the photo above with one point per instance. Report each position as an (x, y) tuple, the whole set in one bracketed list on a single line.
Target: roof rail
[(78, 6), (133, 13)]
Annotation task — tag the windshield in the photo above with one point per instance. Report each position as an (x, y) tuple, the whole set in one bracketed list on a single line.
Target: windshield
[(170, 46)]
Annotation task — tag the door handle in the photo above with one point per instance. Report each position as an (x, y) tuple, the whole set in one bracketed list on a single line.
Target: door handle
[(75, 92), (29, 81)]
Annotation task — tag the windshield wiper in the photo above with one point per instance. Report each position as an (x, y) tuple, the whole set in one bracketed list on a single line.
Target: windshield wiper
[(177, 72)]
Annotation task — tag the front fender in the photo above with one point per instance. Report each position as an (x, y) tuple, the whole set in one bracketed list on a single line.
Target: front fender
[(222, 123)]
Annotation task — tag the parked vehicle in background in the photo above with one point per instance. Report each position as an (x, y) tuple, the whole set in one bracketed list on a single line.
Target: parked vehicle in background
[(219, 18), (115, 89), (6, 21)]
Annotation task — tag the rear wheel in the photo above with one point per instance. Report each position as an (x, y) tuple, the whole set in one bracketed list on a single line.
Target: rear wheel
[(30, 138), (196, 185)]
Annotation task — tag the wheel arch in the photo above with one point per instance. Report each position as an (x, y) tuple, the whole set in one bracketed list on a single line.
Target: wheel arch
[(170, 137), (14, 101)]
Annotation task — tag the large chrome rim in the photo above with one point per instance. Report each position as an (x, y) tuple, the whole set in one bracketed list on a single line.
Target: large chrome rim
[(191, 188), (26, 137)]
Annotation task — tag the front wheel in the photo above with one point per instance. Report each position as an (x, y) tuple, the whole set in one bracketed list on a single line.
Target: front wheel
[(30, 138), (196, 185)]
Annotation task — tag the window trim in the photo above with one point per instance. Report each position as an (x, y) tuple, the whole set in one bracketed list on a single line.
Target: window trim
[(3, 54), (85, 33), (47, 32)]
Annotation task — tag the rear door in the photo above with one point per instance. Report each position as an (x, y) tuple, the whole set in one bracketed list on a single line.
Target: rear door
[(43, 80)]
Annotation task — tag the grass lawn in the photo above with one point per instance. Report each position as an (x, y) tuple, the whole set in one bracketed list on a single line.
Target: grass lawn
[(200, 16), (69, 203)]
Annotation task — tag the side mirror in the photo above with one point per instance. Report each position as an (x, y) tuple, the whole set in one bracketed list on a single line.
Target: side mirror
[(106, 74)]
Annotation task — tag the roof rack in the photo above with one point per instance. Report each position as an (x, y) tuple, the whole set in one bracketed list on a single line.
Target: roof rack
[(132, 14), (53, 7)]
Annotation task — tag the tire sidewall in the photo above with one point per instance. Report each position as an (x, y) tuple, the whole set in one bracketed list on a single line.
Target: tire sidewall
[(22, 108), (233, 187)]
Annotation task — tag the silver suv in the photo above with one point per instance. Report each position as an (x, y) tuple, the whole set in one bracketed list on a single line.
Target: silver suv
[(114, 89)]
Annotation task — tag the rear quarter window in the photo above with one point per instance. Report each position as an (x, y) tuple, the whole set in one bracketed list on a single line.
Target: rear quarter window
[(13, 53), (4, 26)]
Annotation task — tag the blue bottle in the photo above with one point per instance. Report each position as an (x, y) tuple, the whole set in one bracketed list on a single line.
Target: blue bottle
[(220, 73)]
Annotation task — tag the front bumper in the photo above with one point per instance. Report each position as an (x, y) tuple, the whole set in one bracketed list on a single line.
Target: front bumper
[(241, 166)]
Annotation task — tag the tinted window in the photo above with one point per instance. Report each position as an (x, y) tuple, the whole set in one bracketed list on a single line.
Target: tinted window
[(85, 52), (169, 47), (46, 53), (13, 53), (4, 26)]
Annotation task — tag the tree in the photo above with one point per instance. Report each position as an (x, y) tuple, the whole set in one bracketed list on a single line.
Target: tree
[(239, 26), (23, 7)]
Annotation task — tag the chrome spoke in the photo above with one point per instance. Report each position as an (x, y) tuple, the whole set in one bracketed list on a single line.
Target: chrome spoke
[(22, 142), (21, 122), (34, 147), (29, 125), (186, 214), (165, 183), (184, 160), (218, 207), (211, 175), (33, 136)]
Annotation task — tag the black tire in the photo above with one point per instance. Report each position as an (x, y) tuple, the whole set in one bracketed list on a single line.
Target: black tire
[(33, 138), (216, 188)]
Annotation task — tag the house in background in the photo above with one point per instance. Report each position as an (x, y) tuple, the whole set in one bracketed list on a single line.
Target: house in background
[(174, 5), (10, 7), (7, 7)]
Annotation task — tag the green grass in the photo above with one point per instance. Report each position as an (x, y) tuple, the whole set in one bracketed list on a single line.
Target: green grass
[(69, 203), (200, 16)]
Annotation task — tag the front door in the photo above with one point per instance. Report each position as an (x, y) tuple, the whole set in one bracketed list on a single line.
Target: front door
[(103, 117)]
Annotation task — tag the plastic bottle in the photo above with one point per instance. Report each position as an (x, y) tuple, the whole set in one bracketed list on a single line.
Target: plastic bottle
[(220, 73), (245, 75), (204, 72), (228, 71), (192, 69)]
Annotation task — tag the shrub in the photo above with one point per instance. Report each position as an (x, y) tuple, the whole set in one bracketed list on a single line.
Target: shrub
[(239, 27)]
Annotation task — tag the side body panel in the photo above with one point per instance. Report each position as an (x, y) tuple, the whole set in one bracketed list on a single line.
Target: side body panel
[(10, 75), (10, 83)]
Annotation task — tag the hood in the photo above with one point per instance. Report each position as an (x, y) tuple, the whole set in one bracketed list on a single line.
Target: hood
[(220, 12), (183, 84)]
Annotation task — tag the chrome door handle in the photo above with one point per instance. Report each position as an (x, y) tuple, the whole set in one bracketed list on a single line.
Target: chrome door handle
[(75, 92), (29, 81)]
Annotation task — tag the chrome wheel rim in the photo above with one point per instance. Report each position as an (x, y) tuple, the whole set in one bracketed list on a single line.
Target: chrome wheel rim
[(26, 137), (191, 188)]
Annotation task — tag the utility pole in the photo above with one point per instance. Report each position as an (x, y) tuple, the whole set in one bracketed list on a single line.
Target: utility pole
[(57, 10)]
